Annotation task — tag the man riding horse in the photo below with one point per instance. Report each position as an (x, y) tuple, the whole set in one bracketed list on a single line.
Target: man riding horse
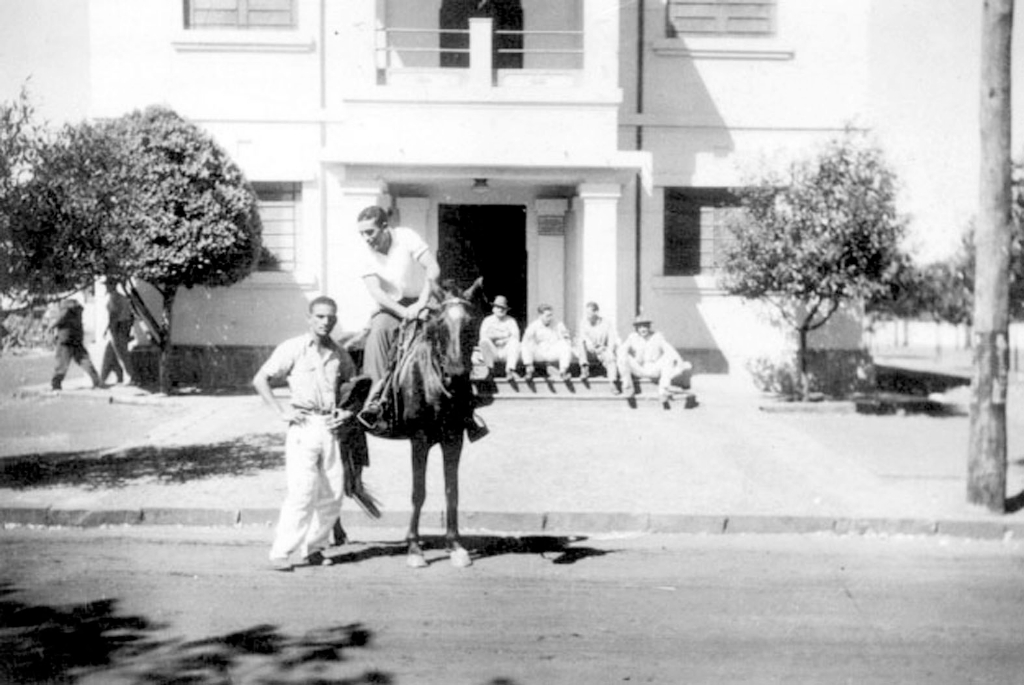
[(401, 274)]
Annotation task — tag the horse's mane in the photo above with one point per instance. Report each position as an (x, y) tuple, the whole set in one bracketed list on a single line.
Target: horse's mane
[(423, 363), (435, 355)]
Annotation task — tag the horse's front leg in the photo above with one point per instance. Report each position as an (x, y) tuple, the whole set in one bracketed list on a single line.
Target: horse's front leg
[(451, 449), (420, 450)]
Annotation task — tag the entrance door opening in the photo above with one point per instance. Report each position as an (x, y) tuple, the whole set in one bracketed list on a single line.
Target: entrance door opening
[(488, 241)]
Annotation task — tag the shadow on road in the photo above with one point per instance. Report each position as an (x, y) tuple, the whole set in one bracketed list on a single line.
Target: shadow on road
[(101, 469), (556, 549), (64, 643)]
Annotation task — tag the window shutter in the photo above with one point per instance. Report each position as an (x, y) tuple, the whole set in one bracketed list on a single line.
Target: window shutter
[(735, 17), (239, 14), (697, 223)]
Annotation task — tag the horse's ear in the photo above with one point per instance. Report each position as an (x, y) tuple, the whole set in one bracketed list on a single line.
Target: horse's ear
[(474, 294)]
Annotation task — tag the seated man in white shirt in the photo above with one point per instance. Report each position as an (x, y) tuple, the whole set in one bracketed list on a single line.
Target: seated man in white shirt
[(546, 340), (499, 339), (647, 354), (598, 343)]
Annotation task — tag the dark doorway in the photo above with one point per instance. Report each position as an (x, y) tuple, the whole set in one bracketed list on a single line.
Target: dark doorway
[(454, 21), (488, 241)]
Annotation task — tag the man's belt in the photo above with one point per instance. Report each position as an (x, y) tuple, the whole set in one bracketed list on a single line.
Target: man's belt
[(314, 412)]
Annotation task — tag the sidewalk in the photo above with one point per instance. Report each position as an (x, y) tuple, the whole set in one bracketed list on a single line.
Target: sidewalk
[(727, 466)]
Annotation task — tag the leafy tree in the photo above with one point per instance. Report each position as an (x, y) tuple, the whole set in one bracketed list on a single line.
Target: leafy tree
[(20, 137), (824, 233), (194, 217), (146, 197), (68, 221), (948, 286), (901, 296)]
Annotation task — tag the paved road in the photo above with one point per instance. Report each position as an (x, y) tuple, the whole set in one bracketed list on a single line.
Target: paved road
[(649, 609)]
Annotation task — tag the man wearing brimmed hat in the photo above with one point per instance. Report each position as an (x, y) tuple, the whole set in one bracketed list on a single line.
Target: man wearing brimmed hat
[(646, 354), (499, 338)]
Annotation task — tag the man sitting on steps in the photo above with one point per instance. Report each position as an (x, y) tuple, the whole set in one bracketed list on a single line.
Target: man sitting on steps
[(647, 354)]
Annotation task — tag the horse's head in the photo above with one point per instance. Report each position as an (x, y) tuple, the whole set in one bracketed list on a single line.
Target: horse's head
[(450, 332), (439, 362)]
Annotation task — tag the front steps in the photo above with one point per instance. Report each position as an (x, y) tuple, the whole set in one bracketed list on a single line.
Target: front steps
[(594, 389)]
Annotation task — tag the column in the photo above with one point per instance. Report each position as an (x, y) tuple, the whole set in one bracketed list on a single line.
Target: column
[(481, 37), (597, 206)]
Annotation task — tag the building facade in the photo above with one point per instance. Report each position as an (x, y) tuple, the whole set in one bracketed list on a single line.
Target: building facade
[(566, 150)]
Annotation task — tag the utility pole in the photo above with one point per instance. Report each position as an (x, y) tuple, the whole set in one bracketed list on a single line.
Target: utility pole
[(986, 467)]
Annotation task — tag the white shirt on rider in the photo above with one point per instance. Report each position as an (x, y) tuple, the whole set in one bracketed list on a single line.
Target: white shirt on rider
[(399, 270)]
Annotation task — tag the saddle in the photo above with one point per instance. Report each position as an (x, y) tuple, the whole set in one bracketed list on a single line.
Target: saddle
[(382, 414)]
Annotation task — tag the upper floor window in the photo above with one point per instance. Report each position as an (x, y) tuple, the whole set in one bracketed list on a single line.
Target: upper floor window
[(239, 14), (507, 15), (721, 17), (279, 213), (696, 229)]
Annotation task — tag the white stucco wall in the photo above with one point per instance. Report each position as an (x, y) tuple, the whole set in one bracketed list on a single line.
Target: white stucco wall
[(289, 106), (715, 112)]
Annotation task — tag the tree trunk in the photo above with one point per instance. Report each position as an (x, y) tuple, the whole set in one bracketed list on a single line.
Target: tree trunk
[(165, 344), (986, 468), (805, 381)]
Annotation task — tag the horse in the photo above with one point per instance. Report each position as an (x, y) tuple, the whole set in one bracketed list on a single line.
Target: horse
[(432, 396)]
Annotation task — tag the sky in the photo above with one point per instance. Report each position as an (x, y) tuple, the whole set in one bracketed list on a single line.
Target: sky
[(43, 41)]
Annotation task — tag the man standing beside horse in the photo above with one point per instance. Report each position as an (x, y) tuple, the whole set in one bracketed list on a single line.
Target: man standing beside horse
[(314, 366)]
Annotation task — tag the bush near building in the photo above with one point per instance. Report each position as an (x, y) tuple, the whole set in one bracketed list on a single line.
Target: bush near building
[(822, 234)]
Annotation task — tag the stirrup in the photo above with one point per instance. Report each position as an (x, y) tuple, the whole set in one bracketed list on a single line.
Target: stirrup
[(370, 416)]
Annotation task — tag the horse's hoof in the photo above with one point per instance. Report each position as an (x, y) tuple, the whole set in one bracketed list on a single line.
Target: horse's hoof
[(460, 558), (416, 561)]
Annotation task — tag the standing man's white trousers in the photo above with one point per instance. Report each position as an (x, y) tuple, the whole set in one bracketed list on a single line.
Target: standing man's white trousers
[(313, 503)]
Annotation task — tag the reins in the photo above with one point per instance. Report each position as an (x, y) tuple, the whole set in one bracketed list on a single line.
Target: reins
[(415, 331)]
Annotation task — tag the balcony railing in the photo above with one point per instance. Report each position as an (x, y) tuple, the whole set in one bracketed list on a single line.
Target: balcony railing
[(478, 55)]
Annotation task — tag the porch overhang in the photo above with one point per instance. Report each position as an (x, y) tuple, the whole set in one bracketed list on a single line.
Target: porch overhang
[(620, 166)]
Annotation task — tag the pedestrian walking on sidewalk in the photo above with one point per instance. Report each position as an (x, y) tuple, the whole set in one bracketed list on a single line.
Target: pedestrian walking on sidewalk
[(69, 337), (313, 365), (120, 319)]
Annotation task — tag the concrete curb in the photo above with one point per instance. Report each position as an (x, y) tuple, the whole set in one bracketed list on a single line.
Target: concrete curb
[(550, 522)]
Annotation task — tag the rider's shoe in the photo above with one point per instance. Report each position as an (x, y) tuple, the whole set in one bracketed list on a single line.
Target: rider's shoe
[(476, 429)]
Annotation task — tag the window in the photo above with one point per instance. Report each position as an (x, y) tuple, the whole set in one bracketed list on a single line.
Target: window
[(721, 17), (507, 47), (279, 212), (696, 229), (239, 14)]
